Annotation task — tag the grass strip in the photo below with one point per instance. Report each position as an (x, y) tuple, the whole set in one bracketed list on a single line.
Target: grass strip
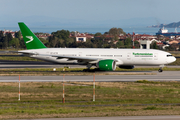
[(44, 99)]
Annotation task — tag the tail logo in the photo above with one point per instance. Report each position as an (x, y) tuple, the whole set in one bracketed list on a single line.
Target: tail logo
[(30, 39)]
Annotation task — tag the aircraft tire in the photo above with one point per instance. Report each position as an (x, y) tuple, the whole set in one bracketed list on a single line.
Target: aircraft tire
[(160, 70)]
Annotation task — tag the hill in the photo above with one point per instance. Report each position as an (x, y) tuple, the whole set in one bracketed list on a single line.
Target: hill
[(170, 25)]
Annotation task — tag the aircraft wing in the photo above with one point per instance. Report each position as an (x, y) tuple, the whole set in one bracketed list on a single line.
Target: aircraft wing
[(59, 56), (75, 58), (91, 60), (86, 59)]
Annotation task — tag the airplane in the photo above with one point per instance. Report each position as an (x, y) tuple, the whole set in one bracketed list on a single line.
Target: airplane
[(105, 59)]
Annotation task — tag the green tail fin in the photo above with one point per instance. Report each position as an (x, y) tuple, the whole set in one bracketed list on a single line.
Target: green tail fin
[(31, 41)]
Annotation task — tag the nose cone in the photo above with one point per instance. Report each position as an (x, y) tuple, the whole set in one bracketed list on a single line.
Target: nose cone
[(171, 59), (174, 59)]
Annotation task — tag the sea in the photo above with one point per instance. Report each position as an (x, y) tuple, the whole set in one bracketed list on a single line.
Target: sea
[(93, 30)]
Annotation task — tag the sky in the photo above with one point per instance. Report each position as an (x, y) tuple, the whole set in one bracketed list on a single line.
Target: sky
[(89, 13)]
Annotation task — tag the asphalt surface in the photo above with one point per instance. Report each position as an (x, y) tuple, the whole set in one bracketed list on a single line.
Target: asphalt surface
[(164, 76)]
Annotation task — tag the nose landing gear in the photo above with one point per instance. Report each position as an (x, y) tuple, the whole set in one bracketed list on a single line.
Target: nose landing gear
[(161, 68)]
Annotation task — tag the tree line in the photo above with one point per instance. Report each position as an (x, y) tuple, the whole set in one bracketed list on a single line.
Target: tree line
[(61, 38), (8, 42)]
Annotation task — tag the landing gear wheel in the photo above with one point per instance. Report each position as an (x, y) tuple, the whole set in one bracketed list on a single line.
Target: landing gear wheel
[(160, 70)]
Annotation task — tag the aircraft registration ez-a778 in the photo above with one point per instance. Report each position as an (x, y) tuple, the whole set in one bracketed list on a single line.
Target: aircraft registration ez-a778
[(103, 59)]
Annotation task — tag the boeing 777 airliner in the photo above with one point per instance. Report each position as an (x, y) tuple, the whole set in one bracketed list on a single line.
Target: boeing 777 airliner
[(104, 59)]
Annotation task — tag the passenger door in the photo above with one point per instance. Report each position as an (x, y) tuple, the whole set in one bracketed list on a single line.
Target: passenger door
[(129, 56), (155, 56)]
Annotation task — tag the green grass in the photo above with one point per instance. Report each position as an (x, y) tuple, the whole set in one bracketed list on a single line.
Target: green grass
[(40, 99), (154, 108)]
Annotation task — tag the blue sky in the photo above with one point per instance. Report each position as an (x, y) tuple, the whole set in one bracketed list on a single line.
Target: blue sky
[(86, 13)]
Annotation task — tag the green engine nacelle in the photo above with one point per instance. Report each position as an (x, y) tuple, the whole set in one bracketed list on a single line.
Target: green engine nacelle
[(108, 65)]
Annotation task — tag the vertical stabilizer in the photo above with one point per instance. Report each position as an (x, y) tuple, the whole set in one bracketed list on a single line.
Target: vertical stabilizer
[(31, 41)]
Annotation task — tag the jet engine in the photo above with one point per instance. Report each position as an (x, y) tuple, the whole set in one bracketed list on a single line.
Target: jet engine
[(107, 65)]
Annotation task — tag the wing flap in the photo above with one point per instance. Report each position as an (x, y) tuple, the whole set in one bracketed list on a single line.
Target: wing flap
[(76, 58), (87, 59)]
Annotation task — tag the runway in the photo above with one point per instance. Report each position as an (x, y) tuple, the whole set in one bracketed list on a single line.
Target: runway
[(164, 76)]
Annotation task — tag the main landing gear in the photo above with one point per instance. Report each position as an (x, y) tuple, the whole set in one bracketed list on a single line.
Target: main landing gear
[(90, 70)]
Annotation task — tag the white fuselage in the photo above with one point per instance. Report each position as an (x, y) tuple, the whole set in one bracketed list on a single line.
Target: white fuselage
[(122, 56)]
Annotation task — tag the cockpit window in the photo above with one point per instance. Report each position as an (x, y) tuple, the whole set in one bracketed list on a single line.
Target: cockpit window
[(169, 55)]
